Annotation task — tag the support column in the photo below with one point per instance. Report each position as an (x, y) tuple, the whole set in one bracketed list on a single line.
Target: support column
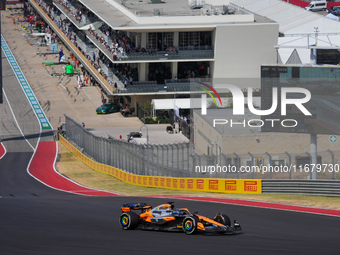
[(174, 69), (143, 40), (314, 155), (313, 56), (176, 39), (142, 72)]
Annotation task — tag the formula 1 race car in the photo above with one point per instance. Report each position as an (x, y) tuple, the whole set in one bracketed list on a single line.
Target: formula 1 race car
[(167, 218)]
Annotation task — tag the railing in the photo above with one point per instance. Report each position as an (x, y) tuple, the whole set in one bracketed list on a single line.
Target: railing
[(149, 88), (193, 48), (104, 83), (157, 55), (170, 85), (87, 49), (67, 12), (152, 54)]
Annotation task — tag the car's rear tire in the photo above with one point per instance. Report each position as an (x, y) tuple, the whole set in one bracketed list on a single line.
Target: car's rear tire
[(223, 219), (189, 225), (128, 220)]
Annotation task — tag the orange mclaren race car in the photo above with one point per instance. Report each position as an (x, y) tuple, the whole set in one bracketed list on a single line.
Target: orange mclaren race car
[(168, 218)]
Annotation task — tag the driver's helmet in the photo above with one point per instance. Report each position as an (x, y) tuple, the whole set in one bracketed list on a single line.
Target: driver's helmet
[(165, 211)]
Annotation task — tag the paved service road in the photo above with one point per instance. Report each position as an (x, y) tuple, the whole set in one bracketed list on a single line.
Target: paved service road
[(35, 219)]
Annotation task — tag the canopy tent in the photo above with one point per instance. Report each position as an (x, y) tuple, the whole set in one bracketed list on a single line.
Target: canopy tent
[(174, 103), (332, 16), (191, 103)]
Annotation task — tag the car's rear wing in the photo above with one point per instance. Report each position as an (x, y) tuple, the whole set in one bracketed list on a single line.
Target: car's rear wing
[(135, 206)]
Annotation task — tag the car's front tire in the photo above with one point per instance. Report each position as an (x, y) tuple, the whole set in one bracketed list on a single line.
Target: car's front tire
[(189, 225), (223, 219), (128, 220)]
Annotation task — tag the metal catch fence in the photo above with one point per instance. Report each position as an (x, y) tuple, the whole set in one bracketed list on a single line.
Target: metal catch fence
[(180, 160), (142, 159)]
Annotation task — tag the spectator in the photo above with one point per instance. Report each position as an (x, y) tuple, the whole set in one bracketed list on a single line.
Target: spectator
[(115, 87), (86, 79), (102, 97)]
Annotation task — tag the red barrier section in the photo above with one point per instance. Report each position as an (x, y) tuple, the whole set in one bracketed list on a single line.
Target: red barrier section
[(42, 168), (330, 5), (259, 204), (300, 3), (2, 150), (303, 4)]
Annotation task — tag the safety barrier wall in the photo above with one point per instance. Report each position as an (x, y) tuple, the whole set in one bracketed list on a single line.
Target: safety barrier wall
[(244, 186), (300, 3), (75, 51), (303, 187)]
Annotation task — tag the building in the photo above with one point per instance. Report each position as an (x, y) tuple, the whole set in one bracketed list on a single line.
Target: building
[(151, 48)]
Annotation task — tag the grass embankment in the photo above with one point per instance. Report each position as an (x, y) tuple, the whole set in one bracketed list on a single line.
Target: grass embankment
[(70, 166)]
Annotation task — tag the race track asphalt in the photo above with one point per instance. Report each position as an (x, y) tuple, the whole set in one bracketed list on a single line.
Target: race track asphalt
[(35, 219)]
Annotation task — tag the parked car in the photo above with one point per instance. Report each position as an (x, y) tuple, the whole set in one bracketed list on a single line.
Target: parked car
[(336, 11), (126, 111), (108, 108), (320, 5), (333, 8), (133, 135)]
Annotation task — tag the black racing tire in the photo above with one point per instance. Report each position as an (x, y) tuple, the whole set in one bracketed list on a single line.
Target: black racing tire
[(223, 219), (189, 225), (128, 220)]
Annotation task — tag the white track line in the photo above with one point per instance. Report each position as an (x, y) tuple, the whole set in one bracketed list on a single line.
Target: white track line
[(16, 122)]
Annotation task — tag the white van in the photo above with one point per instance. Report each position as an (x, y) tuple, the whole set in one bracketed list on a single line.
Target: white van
[(317, 6)]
